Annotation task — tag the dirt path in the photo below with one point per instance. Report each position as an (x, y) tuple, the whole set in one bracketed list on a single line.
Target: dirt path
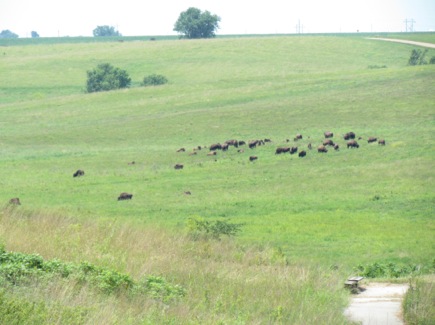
[(378, 304), (429, 45)]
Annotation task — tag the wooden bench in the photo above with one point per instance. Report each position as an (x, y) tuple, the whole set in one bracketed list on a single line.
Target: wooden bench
[(352, 283)]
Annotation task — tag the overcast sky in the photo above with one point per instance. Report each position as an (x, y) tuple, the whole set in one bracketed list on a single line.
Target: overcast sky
[(144, 17)]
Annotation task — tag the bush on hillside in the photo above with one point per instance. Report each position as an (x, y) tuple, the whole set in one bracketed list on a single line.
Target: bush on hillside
[(106, 77), (200, 228), (417, 57), (154, 80), (432, 60)]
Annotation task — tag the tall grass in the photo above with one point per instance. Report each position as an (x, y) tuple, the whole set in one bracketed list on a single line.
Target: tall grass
[(225, 281)]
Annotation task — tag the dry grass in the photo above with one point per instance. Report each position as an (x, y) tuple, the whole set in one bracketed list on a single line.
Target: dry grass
[(225, 282)]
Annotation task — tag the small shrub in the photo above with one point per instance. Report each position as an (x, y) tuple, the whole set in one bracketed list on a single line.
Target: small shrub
[(199, 227), (417, 57), (106, 77), (154, 80), (432, 60), (388, 270)]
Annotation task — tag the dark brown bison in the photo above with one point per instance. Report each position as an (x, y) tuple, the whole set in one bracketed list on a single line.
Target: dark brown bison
[(252, 158), (15, 201), (298, 137), (234, 143), (302, 153), (372, 139), (280, 150), (349, 135), (336, 147), (293, 150), (322, 148), (381, 142), (187, 193), (179, 166), (125, 196), (352, 144), (267, 140), (328, 134), (252, 144), (215, 146), (78, 173), (242, 143), (225, 147), (181, 150), (328, 142)]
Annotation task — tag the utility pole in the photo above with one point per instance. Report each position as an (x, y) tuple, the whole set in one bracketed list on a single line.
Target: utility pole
[(299, 27), (411, 26)]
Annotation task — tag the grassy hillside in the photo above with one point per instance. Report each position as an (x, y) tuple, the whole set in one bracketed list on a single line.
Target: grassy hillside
[(341, 209)]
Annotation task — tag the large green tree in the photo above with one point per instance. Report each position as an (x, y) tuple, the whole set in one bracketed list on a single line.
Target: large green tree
[(193, 23), (106, 31)]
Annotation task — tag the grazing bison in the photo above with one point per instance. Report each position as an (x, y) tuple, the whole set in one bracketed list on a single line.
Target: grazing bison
[(322, 148), (336, 147), (125, 196), (267, 140), (328, 142), (381, 142), (215, 146), (242, 143), (179, 166), (225, 147), (372, 139), (352, 144), (302, 153), (298, 137), (234, 143), (280, 150), (181, 150), (293, 150), (349, 135), (212, 153), (15, 201), (187, 193), (328, 134), (252, 158), (252, 144), (78, 173)]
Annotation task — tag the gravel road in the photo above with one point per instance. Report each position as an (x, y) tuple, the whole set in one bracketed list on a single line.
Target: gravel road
[(429, 45)]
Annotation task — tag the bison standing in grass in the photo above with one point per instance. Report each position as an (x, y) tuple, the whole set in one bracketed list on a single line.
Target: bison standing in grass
[(78, 173), (322, 148), (280, 150), (125, 196), (302, 153), (349, 135), (252, 158), (352, 144), (215, 146), (328, 134), (372, 139), (381, 142), (15, 201), (328, 142), (179, 166)]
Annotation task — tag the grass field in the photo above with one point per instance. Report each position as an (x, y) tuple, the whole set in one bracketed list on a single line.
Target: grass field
[(340, 209)]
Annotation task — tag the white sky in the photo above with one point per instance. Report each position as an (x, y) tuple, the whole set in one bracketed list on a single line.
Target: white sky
[(144, 17)]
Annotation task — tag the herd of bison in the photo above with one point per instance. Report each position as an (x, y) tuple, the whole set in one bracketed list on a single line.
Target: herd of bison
[(327, 144)]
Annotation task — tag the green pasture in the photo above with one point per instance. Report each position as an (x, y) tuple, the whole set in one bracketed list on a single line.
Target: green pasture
[(342, 208)]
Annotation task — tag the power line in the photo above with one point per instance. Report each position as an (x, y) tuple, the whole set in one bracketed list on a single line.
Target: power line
[(299, 28)]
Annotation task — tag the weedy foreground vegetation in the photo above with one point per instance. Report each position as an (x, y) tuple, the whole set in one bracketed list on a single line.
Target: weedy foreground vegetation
[(301, 225)]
